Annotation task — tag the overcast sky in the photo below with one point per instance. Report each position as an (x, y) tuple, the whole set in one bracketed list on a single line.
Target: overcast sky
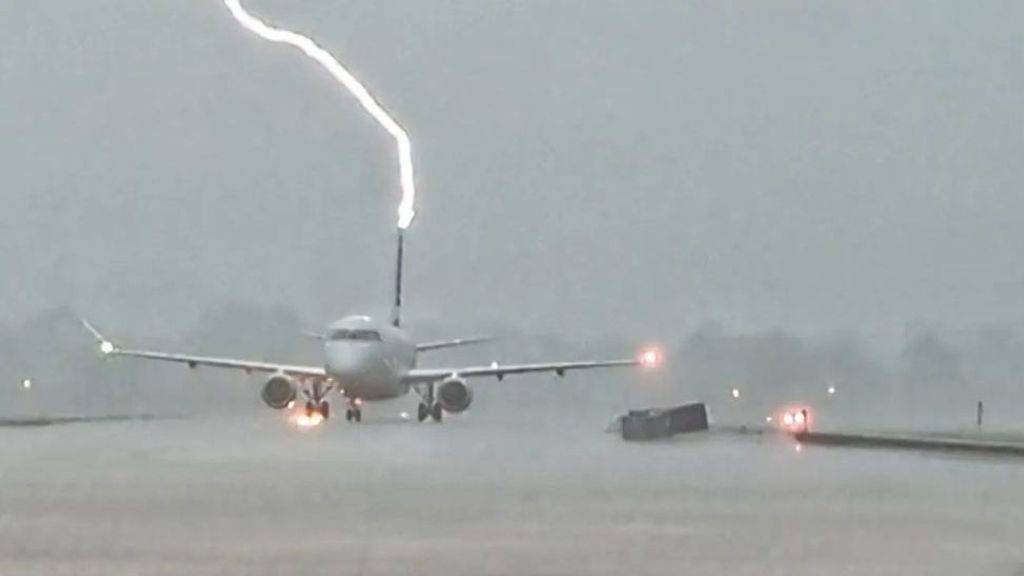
[(583, 166)]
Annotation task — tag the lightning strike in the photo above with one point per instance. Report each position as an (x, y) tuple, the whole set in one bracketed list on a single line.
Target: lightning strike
[(406, 211)]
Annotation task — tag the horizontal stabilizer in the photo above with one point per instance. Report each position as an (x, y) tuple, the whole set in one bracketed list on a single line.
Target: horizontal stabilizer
[(442, 344)]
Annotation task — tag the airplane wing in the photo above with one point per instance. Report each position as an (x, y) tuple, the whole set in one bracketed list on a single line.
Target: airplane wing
[(108, 348), (246, 365), (422, 375)]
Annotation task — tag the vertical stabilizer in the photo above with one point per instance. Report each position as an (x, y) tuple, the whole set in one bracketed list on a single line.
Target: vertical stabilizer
[(396, 310)]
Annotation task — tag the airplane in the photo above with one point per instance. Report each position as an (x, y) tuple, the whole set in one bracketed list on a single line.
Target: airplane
[(367, 360)]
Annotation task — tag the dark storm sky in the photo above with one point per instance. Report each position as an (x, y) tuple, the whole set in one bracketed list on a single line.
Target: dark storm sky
[(583, 166)]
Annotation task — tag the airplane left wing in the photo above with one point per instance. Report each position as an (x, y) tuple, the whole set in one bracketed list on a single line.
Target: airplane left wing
[(108, 348), (245, 365), (423, 375)]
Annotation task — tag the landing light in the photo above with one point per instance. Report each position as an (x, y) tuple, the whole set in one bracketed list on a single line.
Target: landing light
[(106, 347), (27, 384), (736, 393)]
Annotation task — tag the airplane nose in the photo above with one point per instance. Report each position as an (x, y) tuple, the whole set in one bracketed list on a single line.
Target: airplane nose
[(347, 361)]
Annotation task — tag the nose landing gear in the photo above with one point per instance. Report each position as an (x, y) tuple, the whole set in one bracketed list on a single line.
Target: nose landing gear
[(353, 413)]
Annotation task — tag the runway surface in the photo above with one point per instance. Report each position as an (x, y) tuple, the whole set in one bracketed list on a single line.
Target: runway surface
[(475, 496)]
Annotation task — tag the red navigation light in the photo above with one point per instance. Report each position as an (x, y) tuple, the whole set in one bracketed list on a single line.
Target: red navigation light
[(651, 357)]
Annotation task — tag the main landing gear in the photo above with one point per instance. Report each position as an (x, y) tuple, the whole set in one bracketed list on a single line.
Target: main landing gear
[(323, 408), (429, 408), (315, 395)]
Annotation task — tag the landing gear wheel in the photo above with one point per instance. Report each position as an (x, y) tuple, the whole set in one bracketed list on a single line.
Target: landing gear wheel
[(325, 410), (310, 409), (436, 412), (422, 412), (348, 415), (357, 414)]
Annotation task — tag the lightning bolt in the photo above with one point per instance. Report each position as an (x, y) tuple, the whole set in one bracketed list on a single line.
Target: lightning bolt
[(406, 211)]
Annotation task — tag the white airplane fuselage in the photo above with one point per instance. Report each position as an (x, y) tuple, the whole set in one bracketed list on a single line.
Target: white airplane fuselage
[(367, 359)]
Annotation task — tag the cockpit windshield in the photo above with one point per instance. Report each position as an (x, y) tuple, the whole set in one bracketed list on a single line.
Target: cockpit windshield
[(361, 335)]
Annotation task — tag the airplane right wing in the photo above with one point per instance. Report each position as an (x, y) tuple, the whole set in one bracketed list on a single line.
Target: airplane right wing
[(108, 348), (422, 375)]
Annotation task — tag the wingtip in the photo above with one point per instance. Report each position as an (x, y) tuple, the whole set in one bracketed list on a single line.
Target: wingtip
[(650, 358), (106, 346), (91, 329)]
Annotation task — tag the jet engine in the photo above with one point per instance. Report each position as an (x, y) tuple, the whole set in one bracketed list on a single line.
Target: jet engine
[(279, 391), (454, 395)]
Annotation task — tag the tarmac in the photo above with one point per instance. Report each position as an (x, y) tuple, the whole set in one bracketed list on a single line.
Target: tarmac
[(478, 495), (918, 443)]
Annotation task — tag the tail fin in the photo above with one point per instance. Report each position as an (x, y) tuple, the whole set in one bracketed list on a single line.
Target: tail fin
[(396, 310)]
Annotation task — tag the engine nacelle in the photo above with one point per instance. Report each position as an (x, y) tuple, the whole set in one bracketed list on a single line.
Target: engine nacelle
[(454, 395), (279, 391)]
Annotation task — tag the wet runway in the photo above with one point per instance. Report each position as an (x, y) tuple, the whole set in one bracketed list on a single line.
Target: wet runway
[(478, 496)]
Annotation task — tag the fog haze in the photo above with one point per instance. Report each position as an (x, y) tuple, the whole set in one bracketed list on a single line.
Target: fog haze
[(804, 202)]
